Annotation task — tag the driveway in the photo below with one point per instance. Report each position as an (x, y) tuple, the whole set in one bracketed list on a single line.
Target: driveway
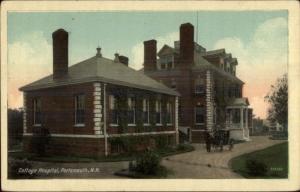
[(199, 164), (193, 165)]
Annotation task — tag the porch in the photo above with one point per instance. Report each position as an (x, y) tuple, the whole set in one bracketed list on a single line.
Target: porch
[(238, 119)]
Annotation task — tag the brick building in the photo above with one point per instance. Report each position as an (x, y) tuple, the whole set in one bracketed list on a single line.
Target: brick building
[(90, 107), (211, 93)]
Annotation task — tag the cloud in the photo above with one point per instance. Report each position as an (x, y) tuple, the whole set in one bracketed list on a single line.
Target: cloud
[(138, 49), (29, 59), (261, 60)]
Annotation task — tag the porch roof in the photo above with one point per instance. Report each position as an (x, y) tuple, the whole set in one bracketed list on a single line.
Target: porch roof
[(243, 101)]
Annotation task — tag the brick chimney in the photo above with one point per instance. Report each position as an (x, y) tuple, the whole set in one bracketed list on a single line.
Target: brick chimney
[(60, 53), (186, 44), (150, 55)]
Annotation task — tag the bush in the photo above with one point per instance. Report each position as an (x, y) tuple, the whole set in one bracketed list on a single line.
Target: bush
[(256, 168), (40, 140), (13, 168), (148, 163), (184, 147)]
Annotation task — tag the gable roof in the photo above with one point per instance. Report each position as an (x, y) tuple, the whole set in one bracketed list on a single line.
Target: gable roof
[(166, 49), (98, 68)]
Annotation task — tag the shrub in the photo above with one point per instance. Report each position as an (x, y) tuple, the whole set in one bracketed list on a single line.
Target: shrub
[(13, 168), (256, 168), (148, 163), (184, 147)]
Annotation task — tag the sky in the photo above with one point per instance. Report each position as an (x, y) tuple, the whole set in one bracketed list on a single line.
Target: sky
[(258, 39)]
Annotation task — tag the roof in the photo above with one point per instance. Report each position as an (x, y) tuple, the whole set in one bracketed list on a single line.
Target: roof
[(214, 52), (166, 49), (201, 63), (98, 68), (243, 101)]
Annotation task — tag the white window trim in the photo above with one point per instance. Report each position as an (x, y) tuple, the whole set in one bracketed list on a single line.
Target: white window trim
[(131, 124), (37, 125), (79, 125), (113, 125)]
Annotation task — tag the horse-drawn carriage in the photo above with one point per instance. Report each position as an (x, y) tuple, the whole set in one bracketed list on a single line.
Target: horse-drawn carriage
[(220, 138)]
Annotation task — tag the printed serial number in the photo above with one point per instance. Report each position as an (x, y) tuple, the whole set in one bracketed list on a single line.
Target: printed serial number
[(276, 169)]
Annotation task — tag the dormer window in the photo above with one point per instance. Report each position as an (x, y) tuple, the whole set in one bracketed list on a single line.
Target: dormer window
[(227, 67), (199, 86), (166, 62), (233, 70)]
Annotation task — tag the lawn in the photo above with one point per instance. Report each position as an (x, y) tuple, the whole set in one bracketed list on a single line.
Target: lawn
[(273, 159), (166, 151)]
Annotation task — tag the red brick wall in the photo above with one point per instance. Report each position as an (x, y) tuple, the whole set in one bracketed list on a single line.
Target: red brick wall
[(58, 109), (136, 129), (70, 146)]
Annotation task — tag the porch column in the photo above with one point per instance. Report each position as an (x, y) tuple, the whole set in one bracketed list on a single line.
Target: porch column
[(246, 126), (246, 130), (241, 118)]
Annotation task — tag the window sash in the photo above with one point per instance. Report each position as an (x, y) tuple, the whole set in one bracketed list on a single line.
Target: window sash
[(113, 112), (199, 115), (37, 116), (131, 110), (169, 113), (145, 111), (79, 109), (158, 112)]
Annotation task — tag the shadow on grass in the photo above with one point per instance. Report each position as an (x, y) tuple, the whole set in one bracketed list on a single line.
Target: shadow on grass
[(275, 158)]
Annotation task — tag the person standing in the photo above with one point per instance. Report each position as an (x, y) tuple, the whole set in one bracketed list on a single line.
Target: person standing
[(208, 142)]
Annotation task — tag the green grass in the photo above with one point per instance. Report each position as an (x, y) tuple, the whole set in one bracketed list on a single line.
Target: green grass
[(274, 157), (167, 151)]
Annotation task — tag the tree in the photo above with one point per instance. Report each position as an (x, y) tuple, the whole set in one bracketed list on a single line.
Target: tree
[(15, 126), (278, 100)]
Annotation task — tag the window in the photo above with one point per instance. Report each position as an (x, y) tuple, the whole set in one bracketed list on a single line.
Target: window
[(166, 62), (146, 111), (199, 86), (37, 115), (173, 84), (200, 114), (79, 109), (131, 110), (236, 116), (158, 111), (113, 110), (169, 113)]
